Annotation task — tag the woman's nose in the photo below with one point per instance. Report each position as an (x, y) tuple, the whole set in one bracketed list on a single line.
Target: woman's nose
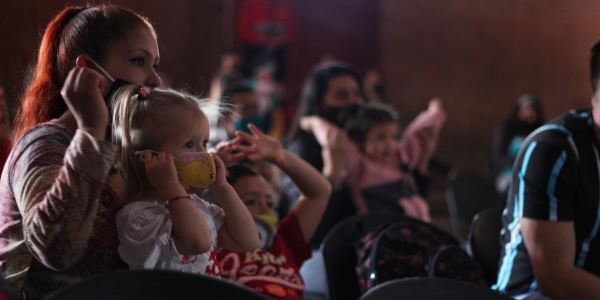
[(153, 81)]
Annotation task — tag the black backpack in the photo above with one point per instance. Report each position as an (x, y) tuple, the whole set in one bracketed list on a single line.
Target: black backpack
[(412, 248)]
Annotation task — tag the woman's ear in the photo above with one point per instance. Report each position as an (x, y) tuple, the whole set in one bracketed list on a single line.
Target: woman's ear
[(83, 61)]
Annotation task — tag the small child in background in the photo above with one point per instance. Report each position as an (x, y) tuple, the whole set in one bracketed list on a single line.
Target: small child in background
[(380, 165), (163, 135), (273, 269)]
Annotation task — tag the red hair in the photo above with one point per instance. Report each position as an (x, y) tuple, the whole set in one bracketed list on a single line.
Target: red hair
[(73, 32)]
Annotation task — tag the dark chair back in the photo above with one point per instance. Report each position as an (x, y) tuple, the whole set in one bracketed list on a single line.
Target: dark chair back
[(154, 285), (431, 288), (484, 241), (6, 291), (467, 194), (339, 253)]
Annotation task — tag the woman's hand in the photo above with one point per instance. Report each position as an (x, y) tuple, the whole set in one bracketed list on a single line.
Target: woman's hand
[(262, 147), (82, 92)]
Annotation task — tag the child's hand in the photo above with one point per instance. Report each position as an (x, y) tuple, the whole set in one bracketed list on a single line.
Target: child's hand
[(436, 103), (162, 174), (262, 147), (225, 151), (309, 122), (221, 174)]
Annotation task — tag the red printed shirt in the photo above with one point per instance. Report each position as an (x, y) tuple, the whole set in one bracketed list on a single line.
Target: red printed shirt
[(274, 273)]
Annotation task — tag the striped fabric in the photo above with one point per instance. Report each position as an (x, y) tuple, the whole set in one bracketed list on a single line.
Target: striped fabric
[(556, 178)]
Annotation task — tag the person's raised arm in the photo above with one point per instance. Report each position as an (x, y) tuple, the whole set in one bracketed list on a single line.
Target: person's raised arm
[(58, 181), (314, 188), (239, 232), (419, 140), (551, 248), (336, 147)]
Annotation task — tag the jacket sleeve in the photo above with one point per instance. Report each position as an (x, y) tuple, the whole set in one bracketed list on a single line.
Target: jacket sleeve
[(419, 136)]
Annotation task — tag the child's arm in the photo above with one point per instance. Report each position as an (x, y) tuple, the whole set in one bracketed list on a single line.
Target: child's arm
[(239, 232), (420, 138), (314, 188), (190, 230)]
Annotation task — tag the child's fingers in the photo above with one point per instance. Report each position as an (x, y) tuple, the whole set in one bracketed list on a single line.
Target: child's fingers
[(237, 157), (218, 162), (253, 157), (246, 148), (162, 156), (255, 130), (245, 136), (235, 141)]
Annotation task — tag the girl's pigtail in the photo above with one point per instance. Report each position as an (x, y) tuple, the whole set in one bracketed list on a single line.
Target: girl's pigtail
[(125, 104)]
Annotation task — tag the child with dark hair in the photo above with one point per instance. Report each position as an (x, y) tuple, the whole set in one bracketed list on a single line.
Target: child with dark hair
[(380, 164), (273, 269)]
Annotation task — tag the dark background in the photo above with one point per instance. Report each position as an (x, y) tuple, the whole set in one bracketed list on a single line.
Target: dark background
[(477, 55)]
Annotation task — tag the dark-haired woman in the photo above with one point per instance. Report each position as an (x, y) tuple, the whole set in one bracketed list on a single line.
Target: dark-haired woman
[(61, 186), (329, 90)]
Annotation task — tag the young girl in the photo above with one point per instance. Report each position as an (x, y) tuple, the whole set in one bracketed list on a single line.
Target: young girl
[(274, 269), (379, 167), (163, 135)]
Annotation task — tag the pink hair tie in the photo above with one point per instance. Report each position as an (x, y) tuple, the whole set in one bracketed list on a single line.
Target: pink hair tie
[(143, 92)]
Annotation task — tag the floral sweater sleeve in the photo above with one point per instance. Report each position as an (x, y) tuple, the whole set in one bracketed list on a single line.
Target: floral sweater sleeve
[(51, 189)]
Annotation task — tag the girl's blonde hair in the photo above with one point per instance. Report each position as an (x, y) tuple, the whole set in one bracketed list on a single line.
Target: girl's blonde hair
[(137, 123)]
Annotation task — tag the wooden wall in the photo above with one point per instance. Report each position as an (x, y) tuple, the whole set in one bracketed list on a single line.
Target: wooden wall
[(480, 56), (477, 55)]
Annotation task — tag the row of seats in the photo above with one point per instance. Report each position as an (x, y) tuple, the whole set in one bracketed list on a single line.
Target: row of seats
[(469, 198), (475, 212)]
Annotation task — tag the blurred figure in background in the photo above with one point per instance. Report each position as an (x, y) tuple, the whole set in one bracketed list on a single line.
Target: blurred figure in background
[(527, 116), (373, 86), (266, 28), (270, 101), (329, 91), (381, 165), (227, 75)]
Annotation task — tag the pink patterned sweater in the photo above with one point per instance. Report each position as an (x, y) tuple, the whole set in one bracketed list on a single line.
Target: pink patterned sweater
[(57, 216)]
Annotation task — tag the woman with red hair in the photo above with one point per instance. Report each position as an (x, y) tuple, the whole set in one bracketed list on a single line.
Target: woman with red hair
[(61, 186)]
